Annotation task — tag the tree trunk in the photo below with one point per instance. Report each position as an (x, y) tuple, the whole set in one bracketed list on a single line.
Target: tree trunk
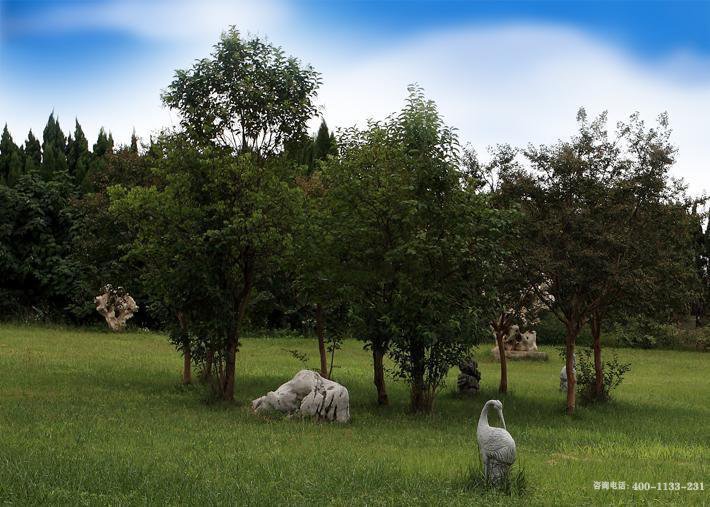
[(187, 365), (209, 362), (503, 387), (422, 397), (572, 332), (320, 332), (186, 352), (230, 354), (595, 324), (378, 355)]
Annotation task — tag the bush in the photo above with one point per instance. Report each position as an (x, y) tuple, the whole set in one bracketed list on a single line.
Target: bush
[(640, 332), (614, 372)]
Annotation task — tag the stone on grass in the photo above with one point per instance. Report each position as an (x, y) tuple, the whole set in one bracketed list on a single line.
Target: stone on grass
[(519, 345), (470, 377), (116, 306), (307, 394)]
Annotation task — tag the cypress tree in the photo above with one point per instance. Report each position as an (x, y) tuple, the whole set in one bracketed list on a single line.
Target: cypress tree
[(104, 144), (78, 155), (33, 153), (8, 154), (134, 143), (324, 143), (102, 147), (54, 158)]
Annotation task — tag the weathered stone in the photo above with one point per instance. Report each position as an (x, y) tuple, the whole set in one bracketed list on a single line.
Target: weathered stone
[(519, 345), (469, 379), (307, 394), (116, 306)]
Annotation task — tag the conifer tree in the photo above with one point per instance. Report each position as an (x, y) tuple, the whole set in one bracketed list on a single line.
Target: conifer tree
[(104, 144), (53, 149), (78, 155), (33, 153), (134, 143), (9, 157), (324, 143)]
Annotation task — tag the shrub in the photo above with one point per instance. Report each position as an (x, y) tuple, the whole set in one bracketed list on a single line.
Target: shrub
[(640, 332), (614, 372)]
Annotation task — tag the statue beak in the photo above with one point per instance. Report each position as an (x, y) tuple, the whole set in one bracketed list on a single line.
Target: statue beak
[(500, 414)]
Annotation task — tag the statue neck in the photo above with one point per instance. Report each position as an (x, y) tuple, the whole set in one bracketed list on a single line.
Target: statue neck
[(483, 419)]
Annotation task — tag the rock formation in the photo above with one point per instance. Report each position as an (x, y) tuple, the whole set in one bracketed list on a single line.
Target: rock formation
[(307, 394), (116, 306), (520, 345), (470, 377)]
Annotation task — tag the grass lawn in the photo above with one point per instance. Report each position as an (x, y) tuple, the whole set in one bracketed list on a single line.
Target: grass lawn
[(93, 418)]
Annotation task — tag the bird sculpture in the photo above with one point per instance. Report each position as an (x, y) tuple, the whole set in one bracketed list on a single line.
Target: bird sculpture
[(496, 445)]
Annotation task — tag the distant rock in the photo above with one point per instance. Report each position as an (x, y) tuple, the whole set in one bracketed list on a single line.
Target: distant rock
[(470, 377), (116, 306)]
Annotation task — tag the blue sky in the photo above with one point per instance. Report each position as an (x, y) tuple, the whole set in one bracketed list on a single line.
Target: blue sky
[(501, 71)]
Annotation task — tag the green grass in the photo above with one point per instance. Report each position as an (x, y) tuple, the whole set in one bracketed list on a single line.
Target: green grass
[(93, 418)]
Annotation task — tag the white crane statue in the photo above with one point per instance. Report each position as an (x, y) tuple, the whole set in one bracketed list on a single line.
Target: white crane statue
[(496, 445)]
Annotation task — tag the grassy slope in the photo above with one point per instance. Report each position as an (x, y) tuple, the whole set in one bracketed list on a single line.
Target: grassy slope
[(95, 418)]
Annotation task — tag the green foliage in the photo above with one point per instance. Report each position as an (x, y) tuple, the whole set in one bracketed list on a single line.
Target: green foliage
[(36, 234), (642, 332), (414, 243), (227, 215), (324, 144), (613, 374), (11, 159), (54, 158), (248, 96), (78, 155), (33, 153)]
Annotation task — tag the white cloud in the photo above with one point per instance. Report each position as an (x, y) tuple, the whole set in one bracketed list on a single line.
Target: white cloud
[(524, 83), (171, 20), (513, 83)]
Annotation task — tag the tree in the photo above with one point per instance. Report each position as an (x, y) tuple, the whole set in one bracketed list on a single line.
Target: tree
[(228, 215), (588, 205), (514, 301), (103, 148), (248, 99), (54, 158), (248, 96), (324, 144), (133, 148), (316, 266), (419, 242), (33, 153), (11, 159), (78, 155)]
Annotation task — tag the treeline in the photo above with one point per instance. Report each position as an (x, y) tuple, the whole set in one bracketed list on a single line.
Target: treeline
[(392, 233)]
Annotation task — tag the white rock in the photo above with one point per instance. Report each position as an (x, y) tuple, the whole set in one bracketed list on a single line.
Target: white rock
[(307, 394), (116, 306)]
